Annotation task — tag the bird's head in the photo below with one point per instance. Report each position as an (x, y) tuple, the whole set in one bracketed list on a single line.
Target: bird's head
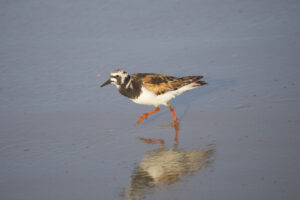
[(117, 77)]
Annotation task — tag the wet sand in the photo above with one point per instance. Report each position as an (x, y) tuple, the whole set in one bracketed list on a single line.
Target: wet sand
[(64, 137)]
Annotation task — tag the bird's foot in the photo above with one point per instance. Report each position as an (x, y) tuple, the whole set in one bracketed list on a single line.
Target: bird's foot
[(175, 123), (172, 124), (144, 116)]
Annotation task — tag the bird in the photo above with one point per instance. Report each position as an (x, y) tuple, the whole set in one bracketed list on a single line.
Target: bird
[(152, 89)]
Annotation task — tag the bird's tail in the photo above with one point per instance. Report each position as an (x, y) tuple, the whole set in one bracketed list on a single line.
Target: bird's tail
[(196, 80)]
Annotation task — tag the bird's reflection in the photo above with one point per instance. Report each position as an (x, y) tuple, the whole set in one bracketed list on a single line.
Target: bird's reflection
[(166, 166)]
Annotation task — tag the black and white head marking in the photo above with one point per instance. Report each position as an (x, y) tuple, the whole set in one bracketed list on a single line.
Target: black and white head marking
[(119, 77), (125, 84)]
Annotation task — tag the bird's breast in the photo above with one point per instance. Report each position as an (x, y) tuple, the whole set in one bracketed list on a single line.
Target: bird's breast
[(131, 90)]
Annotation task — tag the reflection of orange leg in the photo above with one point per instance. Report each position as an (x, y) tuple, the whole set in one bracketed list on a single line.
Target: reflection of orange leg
[(173, 114), (152, 141), (176, 127), (145, 115)]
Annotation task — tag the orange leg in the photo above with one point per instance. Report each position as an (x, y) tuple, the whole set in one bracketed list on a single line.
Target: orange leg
[(145, 115), (173, 114)]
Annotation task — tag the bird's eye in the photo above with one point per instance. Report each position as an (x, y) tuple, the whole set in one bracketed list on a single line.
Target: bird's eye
[(117, 76)]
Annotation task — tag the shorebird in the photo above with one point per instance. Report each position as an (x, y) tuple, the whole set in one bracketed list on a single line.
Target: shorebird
[(152, 89)]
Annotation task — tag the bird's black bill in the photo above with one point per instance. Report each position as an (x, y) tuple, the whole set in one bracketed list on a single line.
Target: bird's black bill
[(106, 83)]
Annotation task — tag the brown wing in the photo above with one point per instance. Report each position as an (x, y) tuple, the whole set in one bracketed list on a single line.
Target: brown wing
[(159, 84)]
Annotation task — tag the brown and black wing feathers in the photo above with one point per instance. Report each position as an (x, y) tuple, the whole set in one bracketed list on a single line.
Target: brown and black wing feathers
[(194, 79), (160, 84)]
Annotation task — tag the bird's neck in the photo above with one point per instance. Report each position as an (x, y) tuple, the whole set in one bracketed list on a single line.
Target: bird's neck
[(130, 88)]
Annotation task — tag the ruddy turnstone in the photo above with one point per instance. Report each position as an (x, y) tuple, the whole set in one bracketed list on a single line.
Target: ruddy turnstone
[(152, 89)]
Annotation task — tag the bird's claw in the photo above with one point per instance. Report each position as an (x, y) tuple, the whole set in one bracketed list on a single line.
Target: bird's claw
[(144, 116)]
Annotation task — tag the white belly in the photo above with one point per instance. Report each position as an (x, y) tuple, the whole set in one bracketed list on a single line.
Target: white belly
[(149, 98)]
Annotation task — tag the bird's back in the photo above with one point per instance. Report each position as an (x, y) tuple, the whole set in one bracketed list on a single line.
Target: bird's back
[(160, 84)]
